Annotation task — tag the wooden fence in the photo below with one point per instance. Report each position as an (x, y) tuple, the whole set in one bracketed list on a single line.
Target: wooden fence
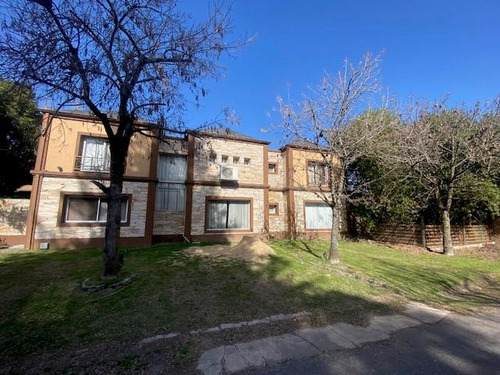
[(431, 236)]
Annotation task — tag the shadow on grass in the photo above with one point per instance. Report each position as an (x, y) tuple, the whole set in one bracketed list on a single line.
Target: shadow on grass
[(305, 247), (43, 308), (418, 283)]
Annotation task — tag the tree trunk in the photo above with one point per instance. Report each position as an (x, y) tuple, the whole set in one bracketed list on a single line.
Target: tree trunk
[(333, 255), (112, 261), (447, 244)]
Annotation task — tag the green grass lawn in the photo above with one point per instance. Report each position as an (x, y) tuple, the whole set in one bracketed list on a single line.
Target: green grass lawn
[(42, 307)]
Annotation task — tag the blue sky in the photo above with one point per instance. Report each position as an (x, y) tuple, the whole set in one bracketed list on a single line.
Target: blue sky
[(432, 48)]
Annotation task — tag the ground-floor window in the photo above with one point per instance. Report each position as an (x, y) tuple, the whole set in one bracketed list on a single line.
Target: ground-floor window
[(318, 215), (228, 214), (90, 209)]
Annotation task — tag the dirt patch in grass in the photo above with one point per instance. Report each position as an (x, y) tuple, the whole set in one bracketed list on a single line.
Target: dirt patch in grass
[(491, 252), (488, 252), (249, 248)]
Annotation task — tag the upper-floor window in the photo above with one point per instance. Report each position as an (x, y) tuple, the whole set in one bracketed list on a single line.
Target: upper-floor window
[(225, 158), (94, 155), (171, 190), (272, 168), (246, 161), (318, 173), (236, 159)]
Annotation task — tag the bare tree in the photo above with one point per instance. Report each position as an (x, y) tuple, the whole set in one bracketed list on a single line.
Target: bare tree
[(135, 57), (440, 147), (327, 122)]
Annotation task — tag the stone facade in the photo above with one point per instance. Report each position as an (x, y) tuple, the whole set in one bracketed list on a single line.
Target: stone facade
[(56, 175), (278, 180), (209, 154), (13, 215), (199, 198), (176, 146), (168, 223), (48, 225), (278, 223)]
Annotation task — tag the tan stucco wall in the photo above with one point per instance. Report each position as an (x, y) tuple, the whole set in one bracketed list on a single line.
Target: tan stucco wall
[(50, 204), (300, 161), (200, 192), (63, 147), (206, 170)]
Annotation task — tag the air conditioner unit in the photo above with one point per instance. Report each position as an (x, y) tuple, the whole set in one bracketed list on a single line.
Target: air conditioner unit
[(228, 173)]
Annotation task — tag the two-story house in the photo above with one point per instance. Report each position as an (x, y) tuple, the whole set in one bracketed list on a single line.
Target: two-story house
[(215, 185)]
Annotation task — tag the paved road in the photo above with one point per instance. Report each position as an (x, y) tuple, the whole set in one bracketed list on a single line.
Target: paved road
[(455, 345)]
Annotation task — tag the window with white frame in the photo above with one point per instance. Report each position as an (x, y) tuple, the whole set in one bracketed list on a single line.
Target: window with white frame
[(318, 173), (228, 214), (273, 209), (95, 155), (318, 215), (171, 189), (90, 209)]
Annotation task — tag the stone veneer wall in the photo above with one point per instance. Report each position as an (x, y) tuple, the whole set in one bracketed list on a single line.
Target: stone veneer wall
[(13, 216), (300, 197), (50, 203), (278, 223), (167, 223), (278, 180), (207, 170), (200, 192), (173, 146)]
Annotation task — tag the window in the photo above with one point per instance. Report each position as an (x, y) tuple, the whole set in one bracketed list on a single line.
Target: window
[(236, 159), (247, 161), (318, 173), (213, 156), (225, 158), (171, 190), (94, 155), (318, 215), (89, 209), (228, 214), (272, 168), (273, 209)]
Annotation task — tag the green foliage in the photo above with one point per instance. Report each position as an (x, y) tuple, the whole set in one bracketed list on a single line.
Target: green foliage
[(19, 130), (477, 200), (381, 196)]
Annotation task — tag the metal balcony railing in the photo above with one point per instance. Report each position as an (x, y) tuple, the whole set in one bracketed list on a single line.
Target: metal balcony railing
[(91, 164)]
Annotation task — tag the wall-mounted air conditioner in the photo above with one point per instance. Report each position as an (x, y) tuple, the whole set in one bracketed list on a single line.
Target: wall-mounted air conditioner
[(228, 173)]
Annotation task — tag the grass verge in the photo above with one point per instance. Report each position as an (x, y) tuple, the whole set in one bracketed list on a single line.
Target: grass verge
[(42, 307)]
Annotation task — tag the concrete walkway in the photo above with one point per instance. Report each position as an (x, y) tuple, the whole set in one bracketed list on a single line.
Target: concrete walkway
[(305, 344)]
